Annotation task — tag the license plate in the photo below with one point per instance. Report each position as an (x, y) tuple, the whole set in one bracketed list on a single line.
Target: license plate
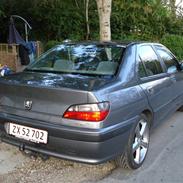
[(27, 133)]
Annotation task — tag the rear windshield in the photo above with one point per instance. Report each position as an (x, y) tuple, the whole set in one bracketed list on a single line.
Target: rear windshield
[(80, 59)]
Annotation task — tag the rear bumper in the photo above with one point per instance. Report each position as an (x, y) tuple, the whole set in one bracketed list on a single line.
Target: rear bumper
[(82, 145)]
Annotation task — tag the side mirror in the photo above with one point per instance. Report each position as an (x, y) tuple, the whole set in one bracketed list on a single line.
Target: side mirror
[(172, 69)]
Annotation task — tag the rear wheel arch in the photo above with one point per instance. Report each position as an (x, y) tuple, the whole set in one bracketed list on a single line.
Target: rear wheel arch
[(128, 158), (149, 114)]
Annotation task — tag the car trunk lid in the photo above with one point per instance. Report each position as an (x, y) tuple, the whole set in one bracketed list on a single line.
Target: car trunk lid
[(49, 94)]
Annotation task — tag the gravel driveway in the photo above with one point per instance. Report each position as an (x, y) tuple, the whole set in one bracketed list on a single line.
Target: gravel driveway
[(163, 164)]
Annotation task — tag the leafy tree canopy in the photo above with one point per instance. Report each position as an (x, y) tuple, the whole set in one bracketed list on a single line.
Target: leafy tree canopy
[(60, 19)]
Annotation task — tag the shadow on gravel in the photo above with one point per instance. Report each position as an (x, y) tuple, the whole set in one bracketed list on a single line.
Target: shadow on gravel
[(22, 168)]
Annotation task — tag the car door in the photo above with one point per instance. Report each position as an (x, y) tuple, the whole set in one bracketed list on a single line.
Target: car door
[(175, 73), (154, 80)]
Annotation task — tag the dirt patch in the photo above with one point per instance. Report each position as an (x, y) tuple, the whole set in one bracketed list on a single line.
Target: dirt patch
[(9, 159), (20, 168)]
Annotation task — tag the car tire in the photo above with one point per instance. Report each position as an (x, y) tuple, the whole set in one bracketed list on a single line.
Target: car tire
[(137, 147)]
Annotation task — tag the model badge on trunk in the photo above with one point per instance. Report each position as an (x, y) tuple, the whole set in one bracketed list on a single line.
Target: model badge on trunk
[(28, 104)]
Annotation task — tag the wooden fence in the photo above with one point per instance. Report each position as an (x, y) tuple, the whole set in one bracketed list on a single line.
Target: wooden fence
[(9, 55)]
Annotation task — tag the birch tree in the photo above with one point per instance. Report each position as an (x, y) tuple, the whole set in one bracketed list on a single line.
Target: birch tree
[(104, 12)]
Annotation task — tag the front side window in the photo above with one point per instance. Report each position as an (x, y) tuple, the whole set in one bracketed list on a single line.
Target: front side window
[(88, 59), (142, 71), (168, 59), (150, 60)]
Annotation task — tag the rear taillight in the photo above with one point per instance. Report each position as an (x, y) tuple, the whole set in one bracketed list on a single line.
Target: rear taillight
[(88, 112)]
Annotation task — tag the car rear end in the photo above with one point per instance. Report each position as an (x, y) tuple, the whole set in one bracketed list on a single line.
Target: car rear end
[(47, 110), (52, 125)]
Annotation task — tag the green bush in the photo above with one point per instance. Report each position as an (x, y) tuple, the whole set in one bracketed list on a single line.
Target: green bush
[(174, 43), (51, 44)]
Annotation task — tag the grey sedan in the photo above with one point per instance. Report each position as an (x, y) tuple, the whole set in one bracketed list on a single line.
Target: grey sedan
[(91, 102)]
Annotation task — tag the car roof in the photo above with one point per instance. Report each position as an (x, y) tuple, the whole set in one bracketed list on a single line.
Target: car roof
[(122, 43)]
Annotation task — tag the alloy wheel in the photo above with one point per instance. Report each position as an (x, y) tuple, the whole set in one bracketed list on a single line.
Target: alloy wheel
[(141, 141)]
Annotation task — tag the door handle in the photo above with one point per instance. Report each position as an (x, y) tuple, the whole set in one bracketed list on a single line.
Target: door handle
[(150, 90)]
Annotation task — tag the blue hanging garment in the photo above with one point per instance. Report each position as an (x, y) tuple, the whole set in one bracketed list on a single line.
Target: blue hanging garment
[(14, 36)]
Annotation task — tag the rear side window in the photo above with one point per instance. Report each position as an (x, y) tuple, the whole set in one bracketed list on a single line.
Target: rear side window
[(167, 57), (150, 61)]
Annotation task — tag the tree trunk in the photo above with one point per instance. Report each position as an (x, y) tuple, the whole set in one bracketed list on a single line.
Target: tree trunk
[(87, 21), (104, 12)]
